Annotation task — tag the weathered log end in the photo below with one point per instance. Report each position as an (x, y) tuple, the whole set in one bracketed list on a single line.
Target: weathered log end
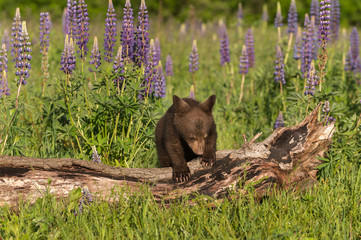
[(286, 159)]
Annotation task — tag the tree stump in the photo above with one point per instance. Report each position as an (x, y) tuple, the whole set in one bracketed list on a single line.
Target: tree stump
[(286, 159)]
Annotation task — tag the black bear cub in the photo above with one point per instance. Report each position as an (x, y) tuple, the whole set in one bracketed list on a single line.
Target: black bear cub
[(186, 131)]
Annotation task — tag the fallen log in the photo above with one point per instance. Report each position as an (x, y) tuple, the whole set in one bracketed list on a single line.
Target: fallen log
[(286, 159)]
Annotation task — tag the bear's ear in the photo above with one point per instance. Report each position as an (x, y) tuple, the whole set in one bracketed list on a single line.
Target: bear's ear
[(180, 105), (208, 104)]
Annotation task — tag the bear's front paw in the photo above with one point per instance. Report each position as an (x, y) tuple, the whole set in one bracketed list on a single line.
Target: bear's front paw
[(181, 176), (208, 162)]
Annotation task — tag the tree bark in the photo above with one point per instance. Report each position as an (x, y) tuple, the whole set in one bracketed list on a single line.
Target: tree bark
[(286, 159)]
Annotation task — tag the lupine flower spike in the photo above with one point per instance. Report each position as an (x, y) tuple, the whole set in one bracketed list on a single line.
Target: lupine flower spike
[(4, 87), (23, 61), (307, 46), (324, 33), (6, 39), (297, 51), (82, 34), (243, 69), (264, 18), (240, 17), (159, 82), (327, 118), (86, 199), (335, 20), (127, 33), (169, 66), (279, 121), (95, 156), (15, 34), (44, 45), (191, 93), (354, 39), (292, 26), (68, 58), (224, 46), (279, 73), (193, 61), (118, 67), (110, 32), (312, 82), (315, 11), (95, 57), (278, 21), (71, 20), (249, 42), (3, 59), (142, 36), (149, 71)]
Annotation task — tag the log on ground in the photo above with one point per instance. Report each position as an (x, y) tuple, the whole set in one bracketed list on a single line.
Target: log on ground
[(286, 159)]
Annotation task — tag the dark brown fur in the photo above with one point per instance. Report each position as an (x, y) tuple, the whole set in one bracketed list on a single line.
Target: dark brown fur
[(186, 131)]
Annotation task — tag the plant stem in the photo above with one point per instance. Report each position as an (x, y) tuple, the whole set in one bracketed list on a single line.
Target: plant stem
[(242, 85)]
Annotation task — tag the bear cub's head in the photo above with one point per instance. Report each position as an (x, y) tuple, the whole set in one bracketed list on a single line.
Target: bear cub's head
[(194, 121)]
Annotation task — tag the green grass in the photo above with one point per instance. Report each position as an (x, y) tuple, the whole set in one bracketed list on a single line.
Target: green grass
[(123, 132)]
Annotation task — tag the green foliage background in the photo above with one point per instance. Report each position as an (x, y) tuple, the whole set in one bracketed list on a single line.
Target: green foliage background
[(205, 10)]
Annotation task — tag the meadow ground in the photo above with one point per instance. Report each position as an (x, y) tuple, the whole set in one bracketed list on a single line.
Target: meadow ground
[(66, 120)]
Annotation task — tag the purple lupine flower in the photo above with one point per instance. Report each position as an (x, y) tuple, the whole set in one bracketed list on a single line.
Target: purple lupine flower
[(71, 20), (6, 39), (15, 34), (278, 18), (3, 59), (193, 58), (95, 156), (169, 66), (279, 73), (82, 34), (325, 16), (95, 56), (142, 35), (64, 21), (354, 39), (307, 45), (312, 80), (110, 32), (149, 72), (315, 37), (243, 61), (4, 87), (68, 56), (335, 19), (249, 42), (22, 63), (224, 46), (357, 66), (265, 16), (191, 93), (127, 33), (292, 18), (279, 121), (44, 31), (315, 11), (327, 118), (157, 51), (86, 199), (349, 61), (297, 50), (159, 82), (118, 67), (240, 15)]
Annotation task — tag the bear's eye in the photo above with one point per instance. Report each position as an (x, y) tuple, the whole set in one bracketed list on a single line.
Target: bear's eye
[(192, 138)]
